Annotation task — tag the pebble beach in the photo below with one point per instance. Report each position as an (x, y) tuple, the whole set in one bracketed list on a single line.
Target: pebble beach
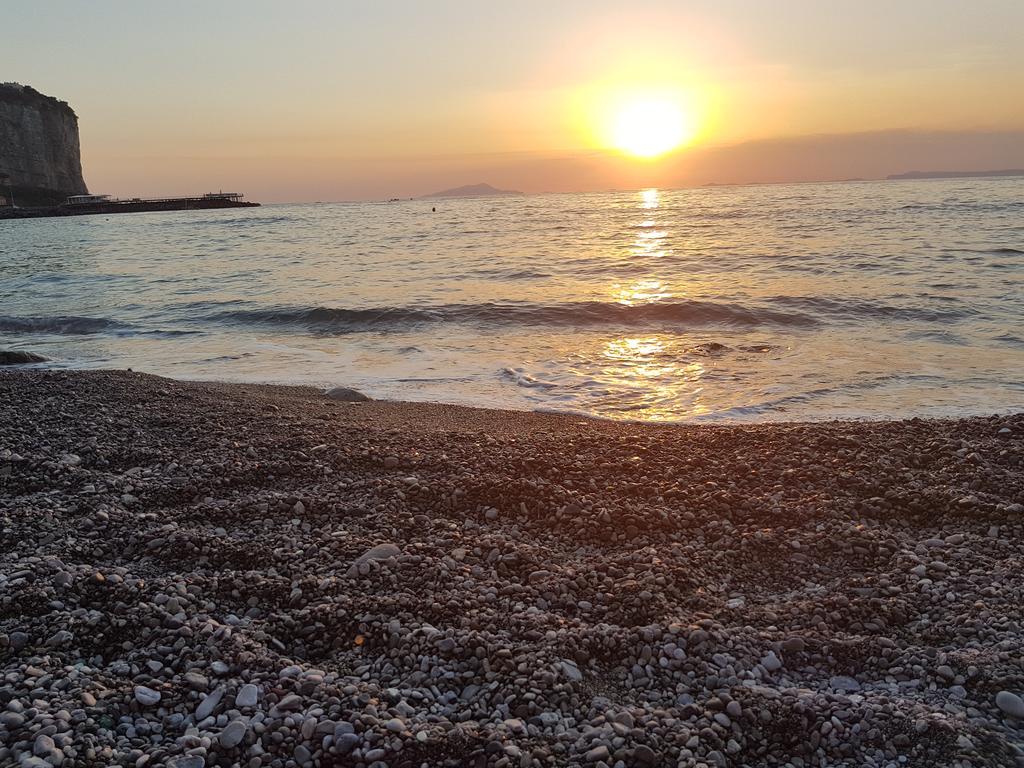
[(200, 574)]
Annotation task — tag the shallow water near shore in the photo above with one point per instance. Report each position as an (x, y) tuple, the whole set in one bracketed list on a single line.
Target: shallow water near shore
[(793, 302)]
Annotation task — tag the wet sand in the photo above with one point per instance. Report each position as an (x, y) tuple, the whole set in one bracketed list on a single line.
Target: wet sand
[(206, 574)]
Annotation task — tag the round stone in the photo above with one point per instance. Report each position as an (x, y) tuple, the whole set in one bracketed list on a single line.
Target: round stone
[(247, 697), (1010, 704), (147, 697), (233, 734)]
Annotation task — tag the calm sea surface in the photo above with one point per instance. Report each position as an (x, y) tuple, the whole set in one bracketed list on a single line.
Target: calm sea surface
[(873, 299)]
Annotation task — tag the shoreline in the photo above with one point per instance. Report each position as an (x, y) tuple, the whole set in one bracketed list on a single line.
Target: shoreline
[(209, 574), (316, 390), (543, 411)]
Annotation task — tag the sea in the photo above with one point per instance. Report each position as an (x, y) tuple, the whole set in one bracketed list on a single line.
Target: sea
[(801, 302)]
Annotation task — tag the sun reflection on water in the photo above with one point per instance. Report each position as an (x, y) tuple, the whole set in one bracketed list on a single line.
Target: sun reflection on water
[(655, 368), (648, 245), (640, 354), (654, 373), (663, 378), (650, 239), (640, 292)]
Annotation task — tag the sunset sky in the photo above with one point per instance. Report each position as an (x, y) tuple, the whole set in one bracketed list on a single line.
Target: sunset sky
[(333, 100)]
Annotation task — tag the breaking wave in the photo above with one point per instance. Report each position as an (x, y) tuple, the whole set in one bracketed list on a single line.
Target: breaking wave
[(69, 325), (682, 314)]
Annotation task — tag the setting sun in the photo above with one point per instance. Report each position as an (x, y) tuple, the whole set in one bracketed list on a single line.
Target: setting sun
[(649, 127), (643, 121)]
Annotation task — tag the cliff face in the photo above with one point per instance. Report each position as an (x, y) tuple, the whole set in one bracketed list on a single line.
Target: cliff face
[(39, 149)]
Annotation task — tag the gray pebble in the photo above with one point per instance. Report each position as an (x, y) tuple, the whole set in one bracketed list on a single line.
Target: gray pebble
[(379, 552), (209, 705), (147, 697), (233, 734), (247, 696), (1010, 704)]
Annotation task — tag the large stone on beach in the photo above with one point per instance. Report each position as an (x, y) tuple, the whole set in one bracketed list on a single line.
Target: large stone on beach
[(599, 752), (844, 683), (209, 704), (147, 697), (19, 640), (43, 745), (12, 720), (794, 645), (379, 552), (19, 357), (570, 670), (346, 742), (1010, 704), (346, 395), (233, 734), (290, 703), (247, 696)]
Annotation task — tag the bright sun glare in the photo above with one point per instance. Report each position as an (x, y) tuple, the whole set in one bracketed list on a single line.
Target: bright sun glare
[(648, 127)]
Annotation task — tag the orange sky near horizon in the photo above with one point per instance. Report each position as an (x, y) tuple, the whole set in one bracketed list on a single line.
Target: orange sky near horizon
[(342, 101)]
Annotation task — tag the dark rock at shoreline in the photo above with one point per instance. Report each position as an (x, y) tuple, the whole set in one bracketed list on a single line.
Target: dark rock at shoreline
[(347, 395), (19, 357)]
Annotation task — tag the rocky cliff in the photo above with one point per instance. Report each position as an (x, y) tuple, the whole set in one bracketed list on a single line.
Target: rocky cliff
[(39, 149)]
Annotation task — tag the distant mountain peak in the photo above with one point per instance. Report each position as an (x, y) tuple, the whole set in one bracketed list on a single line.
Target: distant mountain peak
[(474, 190)]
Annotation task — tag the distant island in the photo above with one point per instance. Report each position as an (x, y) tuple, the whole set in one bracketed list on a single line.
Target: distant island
[(953, 174), (475, 190)]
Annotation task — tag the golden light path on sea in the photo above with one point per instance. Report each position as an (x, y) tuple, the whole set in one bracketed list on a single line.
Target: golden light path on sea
[(652, 361)]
